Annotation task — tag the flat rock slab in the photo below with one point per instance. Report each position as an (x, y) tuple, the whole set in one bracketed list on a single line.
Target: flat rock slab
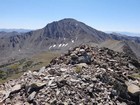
[(132, 88), (82, 65), (16, 88)]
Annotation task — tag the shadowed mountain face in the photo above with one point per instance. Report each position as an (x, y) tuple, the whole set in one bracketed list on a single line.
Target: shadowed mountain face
[(62, 35), (65, 31), (59, 35)]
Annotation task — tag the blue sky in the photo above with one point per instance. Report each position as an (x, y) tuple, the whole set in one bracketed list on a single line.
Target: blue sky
[(105, 15)]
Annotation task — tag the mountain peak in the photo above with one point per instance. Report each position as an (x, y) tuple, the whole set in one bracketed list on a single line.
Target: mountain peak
[(62, 22), (68, 20), (58, 35)]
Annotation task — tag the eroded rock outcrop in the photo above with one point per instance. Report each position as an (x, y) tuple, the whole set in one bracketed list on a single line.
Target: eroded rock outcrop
[(83, 76)]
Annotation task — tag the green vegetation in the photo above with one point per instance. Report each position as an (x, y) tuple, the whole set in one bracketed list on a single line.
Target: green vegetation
[(17, 68), (13, 76), (43, 59), (14, 68), (136, 75), (22, 61), (27, 64), (78, 69), (3, 75)]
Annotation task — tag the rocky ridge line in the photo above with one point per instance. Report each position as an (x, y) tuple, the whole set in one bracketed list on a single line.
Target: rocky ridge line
[(84, 76)]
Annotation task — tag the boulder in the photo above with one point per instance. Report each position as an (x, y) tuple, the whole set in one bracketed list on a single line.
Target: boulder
[(77, 49), (16, 88), (18, 103), (42, 69), (82, 51), (63, 69), (82, 65), (84, 59), (3, 95), (133, 89), (34, 87), (31, 96), (74, 56), (131, 66), (38, 84)]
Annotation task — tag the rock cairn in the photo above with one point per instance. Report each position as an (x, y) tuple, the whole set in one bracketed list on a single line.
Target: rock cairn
[(83, 76)]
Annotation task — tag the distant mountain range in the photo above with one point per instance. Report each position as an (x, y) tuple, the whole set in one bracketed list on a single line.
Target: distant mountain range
[(15, 30), (124, 33), (62, 35)]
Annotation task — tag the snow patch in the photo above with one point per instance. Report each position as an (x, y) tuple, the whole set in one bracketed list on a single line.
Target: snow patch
[(63, 45), (60, 45), (66, 44), (50, 47), (54, 45), (72, 41)]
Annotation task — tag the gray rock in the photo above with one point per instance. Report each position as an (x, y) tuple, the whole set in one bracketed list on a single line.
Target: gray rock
[(4, 95), (101, 81), (74, 56), (84, 59), (82, 65), (16, 88), (131, 66), (35, 87), (133, 89), (31, 96), (42, 69), (63, 69), (82, 51), (38, 84)]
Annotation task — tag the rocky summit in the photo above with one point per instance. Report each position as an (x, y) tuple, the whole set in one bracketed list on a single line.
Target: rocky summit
[(84, 76)]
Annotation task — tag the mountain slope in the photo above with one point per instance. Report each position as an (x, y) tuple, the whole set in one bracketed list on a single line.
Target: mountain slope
[(118, 36), (62, 34), (58, 35), (65, 31), (135, 47), (83, 76), (130, 48)]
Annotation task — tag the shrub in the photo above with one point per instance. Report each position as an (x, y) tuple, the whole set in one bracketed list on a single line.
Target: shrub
[(3, 75), (14, 66), (27, 64), (78, 69)]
